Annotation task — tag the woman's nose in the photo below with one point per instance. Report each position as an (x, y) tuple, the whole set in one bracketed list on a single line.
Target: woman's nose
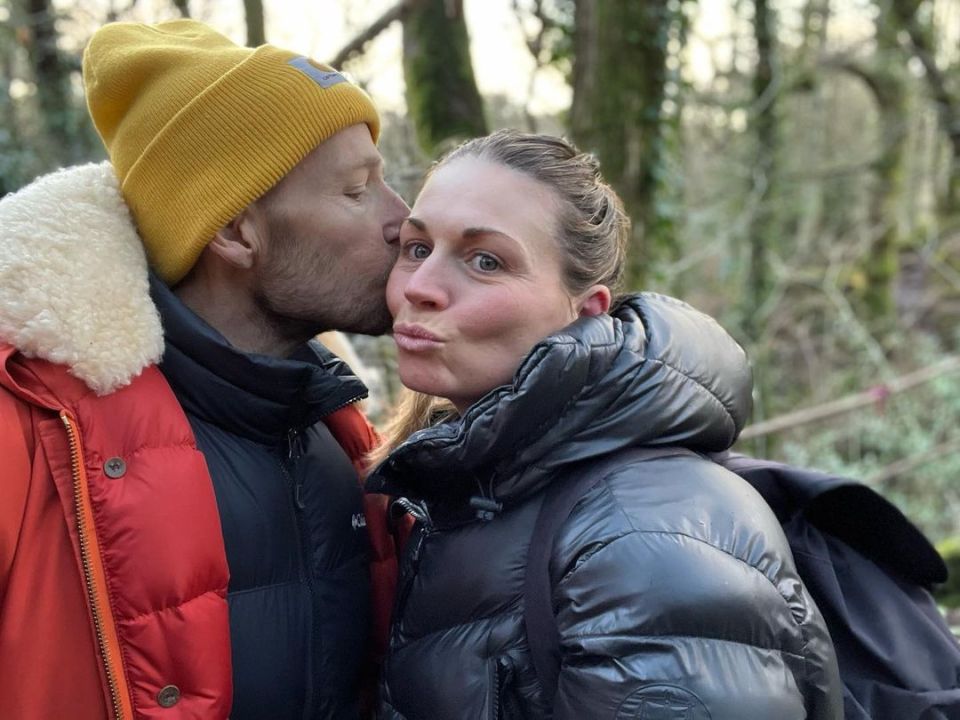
[(425, 287)]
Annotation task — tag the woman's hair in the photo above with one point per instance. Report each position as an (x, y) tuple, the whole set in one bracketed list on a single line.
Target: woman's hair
[(591, 227), (591, 231)]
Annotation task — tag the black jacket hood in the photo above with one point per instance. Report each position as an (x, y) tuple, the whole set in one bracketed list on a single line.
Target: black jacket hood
[(653, 372)]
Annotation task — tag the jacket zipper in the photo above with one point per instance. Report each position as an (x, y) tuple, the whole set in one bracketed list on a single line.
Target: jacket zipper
[(497, 689), (287, 467), (409, 573), (342, 405), (505, 707), (79, 478)]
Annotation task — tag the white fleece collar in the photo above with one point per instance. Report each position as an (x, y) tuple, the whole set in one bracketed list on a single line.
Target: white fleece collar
[(73, 278)]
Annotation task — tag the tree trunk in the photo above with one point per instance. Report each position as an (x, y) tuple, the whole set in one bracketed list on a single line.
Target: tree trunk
[(881, 264), (762, 232), (9, 141), (51, 74), (182, 7), (253, 10), (947, 102), (442, 95), (619, 77)]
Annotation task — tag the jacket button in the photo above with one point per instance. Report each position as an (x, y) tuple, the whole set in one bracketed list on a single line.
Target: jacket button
[(115, 467), (168, 696)]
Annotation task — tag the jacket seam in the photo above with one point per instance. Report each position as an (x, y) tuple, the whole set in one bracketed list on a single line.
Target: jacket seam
[(156, 611), (98, 456), (696, 638), (512, 608)]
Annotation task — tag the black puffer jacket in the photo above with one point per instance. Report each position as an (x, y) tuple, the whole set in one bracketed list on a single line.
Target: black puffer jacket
[(675, 591), (291, 514)]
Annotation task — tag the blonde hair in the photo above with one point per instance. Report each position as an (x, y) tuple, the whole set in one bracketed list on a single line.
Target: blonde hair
[(592, 230)]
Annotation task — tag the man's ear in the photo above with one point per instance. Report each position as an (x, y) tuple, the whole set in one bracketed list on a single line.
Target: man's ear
[(596, 301), (240, 242)]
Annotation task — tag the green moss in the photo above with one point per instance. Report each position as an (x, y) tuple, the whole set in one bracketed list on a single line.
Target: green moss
[(442, 95)]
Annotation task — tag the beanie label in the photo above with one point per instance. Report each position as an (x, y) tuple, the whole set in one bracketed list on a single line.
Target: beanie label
[(323, 78)]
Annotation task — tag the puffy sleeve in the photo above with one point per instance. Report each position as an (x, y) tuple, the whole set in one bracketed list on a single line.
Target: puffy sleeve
[(665, 625)]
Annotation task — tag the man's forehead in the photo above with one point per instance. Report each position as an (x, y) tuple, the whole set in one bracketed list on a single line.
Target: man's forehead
[(363, 160), (347, 151), (334, 162)]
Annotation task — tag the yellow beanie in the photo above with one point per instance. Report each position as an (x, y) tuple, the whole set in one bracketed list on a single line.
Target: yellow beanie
[(198, 127)]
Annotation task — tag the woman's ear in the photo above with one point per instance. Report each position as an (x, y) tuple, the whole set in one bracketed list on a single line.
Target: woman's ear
[(596, 301)]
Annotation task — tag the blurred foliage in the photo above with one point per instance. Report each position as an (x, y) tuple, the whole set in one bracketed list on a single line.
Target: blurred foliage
[(920, 424)]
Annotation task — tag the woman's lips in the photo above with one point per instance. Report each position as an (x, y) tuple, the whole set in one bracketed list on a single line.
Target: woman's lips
[(414, 338)]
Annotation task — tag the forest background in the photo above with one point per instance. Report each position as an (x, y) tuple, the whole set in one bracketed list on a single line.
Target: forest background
[(792, 167)]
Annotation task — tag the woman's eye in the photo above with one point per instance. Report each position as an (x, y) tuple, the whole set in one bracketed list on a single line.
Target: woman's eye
[(485, 263), (354, 194), (417, 251)]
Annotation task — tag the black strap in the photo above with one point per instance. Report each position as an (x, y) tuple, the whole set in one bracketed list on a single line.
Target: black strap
[(564, 493)]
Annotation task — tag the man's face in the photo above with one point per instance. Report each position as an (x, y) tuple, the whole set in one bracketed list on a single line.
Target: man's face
[(331, 230)]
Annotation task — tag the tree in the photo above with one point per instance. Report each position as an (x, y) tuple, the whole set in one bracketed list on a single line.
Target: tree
[(619, 82), (442, 95), (873, 276), (947, 102), (762, 230), (51, 74), (9, 140), (253, 10)]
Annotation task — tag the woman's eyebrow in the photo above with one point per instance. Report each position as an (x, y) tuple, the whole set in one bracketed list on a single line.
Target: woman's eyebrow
[(475, 231), (417, 223)]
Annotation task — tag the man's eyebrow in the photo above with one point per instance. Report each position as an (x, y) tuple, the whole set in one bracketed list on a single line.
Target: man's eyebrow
[(417, 223)]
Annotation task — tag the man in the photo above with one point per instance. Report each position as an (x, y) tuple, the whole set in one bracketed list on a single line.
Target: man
[(248, 182)]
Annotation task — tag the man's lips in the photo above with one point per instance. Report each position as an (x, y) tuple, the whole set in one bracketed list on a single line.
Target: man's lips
[(414, 338)]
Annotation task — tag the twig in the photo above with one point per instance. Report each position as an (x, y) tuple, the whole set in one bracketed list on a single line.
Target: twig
[(357, 45), (905, 465), (850, 403)]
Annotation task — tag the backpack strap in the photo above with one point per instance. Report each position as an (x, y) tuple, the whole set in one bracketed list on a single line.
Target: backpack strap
[(563, 494)]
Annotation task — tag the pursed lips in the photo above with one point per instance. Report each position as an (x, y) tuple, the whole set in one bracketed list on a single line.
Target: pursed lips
[(414, 338)]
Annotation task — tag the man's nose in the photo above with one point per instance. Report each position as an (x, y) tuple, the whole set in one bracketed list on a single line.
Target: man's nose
[(397, 212)]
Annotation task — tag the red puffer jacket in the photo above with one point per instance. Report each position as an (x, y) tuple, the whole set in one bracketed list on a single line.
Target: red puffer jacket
[(112, 572), (113, 578)]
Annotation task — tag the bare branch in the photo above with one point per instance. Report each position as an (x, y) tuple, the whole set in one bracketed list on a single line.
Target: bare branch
[(850, 403), (358, 44), (908, 464)]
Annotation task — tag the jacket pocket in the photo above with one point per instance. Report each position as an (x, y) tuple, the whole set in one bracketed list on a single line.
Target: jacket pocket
[(504, 702)]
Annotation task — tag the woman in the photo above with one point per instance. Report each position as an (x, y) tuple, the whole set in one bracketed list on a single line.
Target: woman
[(674, 590)]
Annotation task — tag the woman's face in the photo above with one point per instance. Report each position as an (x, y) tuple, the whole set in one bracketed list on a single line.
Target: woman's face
[(478, 282)]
